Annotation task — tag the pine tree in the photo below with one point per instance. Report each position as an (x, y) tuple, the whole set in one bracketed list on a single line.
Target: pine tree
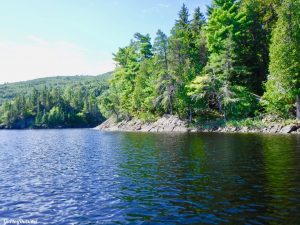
[(214, 89), (227, 22), (161, 48), (197, 41), (183, 19), (143, 45), (198, 21)]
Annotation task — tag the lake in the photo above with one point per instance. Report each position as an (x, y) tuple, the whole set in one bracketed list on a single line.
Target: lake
[(83, 176)]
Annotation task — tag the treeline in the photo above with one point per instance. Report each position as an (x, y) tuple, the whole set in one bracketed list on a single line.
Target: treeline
[(242, 61), (69, 106), (8, 91)]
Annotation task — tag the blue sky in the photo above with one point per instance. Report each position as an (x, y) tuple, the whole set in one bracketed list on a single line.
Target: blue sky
[(41, 38)]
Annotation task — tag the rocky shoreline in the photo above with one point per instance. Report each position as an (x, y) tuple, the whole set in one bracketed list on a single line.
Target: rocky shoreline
[(166, 123), (272, 129), (171, 123)]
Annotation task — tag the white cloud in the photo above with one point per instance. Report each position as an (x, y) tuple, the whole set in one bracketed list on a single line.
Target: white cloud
[(41, 58)]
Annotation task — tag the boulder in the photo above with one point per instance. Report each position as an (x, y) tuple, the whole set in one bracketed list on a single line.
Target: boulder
[(289, 129), (244, 130), (275, 128), (180, 129)]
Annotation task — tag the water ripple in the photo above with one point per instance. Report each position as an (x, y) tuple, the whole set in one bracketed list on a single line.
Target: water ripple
[(88, 177)]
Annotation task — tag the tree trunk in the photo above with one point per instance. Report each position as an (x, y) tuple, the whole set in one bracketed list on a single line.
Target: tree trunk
[(298, 107), (166, 60), (116, 113)]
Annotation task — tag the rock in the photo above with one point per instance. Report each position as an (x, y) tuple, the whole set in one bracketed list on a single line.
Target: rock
[(274, 128), (167, 123), (146, 127), (244, 129), (289, 129), (180, 129), (169, 128), (295, 132), (171, 123)]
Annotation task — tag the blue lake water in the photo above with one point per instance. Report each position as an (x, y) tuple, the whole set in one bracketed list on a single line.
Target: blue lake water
[(83, 176)]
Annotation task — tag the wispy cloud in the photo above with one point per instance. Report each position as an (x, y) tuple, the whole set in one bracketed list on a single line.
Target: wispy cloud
[(40, 58), (156, 8), (37, 40), (163, 5)]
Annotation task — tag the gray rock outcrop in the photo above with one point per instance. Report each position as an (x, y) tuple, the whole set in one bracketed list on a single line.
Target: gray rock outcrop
[(167, 123), (289, 129)]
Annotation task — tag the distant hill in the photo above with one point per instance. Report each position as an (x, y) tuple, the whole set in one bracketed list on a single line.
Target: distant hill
[(10, 90)]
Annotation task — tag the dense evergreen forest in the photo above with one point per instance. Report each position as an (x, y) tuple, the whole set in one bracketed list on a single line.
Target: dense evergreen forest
[(8, 91), (53, 102), (240, 60)]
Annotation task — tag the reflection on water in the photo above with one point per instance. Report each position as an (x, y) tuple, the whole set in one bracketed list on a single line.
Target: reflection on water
[(87, 177)]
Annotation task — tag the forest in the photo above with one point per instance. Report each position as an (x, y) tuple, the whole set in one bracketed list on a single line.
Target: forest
[(239, 60), (54, 102)]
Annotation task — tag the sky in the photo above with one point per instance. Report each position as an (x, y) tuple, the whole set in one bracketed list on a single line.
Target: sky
[(40, 38)]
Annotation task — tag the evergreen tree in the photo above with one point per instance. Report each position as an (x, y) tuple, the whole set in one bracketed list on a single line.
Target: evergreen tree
[(143, 45), (183, 20), (283, 86), (214, 88), (261, 16), (198, 21), (227, 22), (161, 48)]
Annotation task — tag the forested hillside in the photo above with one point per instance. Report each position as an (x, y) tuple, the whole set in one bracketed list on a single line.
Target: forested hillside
[(9, 91), (242, 60), (53, 102)]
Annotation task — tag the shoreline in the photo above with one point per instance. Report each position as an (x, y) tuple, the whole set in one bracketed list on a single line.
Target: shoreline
[(4, 127), (173, 124)]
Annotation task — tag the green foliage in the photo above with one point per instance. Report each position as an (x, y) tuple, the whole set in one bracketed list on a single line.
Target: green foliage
[(283, 85), (74, 105), (209, 69), (56, 116), (9, 91), (225, 20), (215, 89), (248, 122), (212, 94), (254, 46)]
